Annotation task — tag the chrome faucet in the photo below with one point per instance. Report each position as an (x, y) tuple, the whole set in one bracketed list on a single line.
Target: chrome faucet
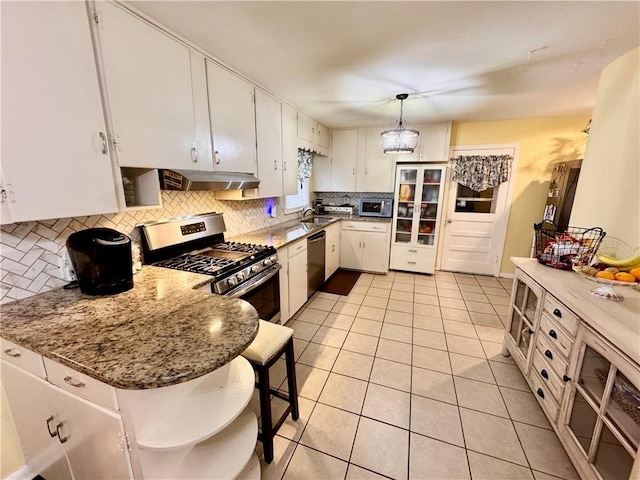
[(304, 211)]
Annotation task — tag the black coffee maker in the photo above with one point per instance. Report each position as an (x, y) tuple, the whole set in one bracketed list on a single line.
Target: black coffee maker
[(101, 258)]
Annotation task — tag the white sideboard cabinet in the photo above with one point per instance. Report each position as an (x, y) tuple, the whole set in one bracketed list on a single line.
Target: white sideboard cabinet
[(580, 355)]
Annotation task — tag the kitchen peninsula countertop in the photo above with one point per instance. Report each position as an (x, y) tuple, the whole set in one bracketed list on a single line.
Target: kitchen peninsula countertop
[(282, 234), (159, 333)]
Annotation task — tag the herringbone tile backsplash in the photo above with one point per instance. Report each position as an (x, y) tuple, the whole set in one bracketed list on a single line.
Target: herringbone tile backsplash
[(30, 251)]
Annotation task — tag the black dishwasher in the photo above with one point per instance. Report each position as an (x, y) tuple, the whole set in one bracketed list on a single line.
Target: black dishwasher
[(315, 262)]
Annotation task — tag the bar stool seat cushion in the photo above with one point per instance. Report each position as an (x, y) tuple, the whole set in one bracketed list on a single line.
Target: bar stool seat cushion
[(270, 339)]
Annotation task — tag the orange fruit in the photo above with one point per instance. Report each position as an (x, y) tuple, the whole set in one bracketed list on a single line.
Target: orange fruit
[(606, 275), (636, 273), (625, 277)]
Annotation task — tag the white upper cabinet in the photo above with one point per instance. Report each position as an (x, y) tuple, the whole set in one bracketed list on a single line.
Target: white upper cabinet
[(307, 128), (435, 139), (289, 150), (150, 92), (313, 136), (231, 109), (55, 160), (269, 144), (344, 160), (324, 137), (379, 167)]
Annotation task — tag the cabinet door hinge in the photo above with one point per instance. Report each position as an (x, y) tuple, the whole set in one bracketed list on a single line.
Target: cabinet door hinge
[(6, 193), (96, 16), (125, 444)]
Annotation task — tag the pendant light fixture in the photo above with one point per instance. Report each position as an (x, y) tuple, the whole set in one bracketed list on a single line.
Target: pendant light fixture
[(400, 140)]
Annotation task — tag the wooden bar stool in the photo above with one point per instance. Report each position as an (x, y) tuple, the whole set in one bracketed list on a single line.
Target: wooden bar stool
[(271, 342)]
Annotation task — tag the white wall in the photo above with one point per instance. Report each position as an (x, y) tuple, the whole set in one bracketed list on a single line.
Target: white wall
[(608, 190)]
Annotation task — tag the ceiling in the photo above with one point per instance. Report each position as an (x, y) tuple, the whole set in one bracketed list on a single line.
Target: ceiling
[(343, 62)]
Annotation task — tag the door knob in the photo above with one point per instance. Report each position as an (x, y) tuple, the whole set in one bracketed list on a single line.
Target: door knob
[(449, 220)]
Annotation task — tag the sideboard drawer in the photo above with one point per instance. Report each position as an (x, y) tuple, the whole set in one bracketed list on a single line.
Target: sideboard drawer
[(556, 336), (543, 396), (548, 377), (22, 358), (552, 357), (561, 314), (81, 384)]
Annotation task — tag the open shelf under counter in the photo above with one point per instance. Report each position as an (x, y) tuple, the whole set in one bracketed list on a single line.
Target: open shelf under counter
[(225, 455), (185, 414)]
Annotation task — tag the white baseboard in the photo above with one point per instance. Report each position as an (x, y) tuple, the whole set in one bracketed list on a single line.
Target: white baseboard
[(506, 275), (22, 473)]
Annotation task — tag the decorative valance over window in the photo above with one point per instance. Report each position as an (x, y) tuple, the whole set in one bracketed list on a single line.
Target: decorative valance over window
[(304, 165), (480, 172)]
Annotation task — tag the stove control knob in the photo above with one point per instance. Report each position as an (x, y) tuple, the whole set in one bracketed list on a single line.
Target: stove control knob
[(254, 269), (273, 259), (266, 262), (240, 277), (232, 282)]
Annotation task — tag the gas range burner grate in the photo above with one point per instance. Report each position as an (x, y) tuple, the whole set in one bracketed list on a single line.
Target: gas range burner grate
[(197, 264), (239, 247)]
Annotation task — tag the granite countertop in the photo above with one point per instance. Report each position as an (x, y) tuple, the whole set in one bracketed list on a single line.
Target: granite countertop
[(285, 233), (161, 332)]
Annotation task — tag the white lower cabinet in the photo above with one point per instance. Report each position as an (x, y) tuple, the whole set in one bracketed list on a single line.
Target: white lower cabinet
[(297, 275), (63, 435), (365, 246), (196, 429), (332, 249)]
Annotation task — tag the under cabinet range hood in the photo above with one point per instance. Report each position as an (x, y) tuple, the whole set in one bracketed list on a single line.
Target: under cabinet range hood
[(188, 180)]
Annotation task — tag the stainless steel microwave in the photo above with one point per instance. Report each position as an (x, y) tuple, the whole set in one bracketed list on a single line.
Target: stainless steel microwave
[(376, 207)]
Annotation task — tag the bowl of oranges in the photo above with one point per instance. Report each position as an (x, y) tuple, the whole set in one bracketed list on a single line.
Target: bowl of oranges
[(607, 275)]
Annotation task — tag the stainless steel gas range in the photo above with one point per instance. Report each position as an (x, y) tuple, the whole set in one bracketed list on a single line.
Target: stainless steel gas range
[(196, 244)]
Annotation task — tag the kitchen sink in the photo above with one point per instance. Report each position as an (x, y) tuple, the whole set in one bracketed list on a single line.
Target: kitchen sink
[(317, 220)]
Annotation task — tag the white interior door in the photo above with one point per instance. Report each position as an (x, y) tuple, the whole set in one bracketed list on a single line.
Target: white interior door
[(476, 222)]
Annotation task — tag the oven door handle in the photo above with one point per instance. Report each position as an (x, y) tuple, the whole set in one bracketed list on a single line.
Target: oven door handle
[(267, 274)]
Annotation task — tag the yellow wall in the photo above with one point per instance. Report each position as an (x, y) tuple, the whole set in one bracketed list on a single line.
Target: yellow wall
[(543, 141), (608, 193)]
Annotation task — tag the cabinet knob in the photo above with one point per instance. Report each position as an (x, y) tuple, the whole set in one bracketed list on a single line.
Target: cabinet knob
[(548, 354), (553, 334), (530, 332), (275, 165), (540, 393), (216, 157), (544, 374), (557, 313), (284, 165), (194, 155), (565, 378), (449, 220), (103, 140)]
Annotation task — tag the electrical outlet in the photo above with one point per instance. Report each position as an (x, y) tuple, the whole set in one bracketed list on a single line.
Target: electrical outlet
[(66, 267)]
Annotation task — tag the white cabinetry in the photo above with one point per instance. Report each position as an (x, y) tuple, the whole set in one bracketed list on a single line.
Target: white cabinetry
[(313, 136), (269, 144), (289, 150), (150, 93), (231, 107), (55, 160), (344, 160), (283, 258), (365, 246), (332, 249), (435, 139), (416, 217), (62, 432), (297, 275), (378, 171)]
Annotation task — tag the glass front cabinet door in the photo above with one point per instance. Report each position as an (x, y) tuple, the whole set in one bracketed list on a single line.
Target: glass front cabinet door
[(524, 315), (600, 421)]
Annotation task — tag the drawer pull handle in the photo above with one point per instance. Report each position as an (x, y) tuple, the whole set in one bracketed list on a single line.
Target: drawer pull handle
[(548, 354), (565, 378), (413, 251), (544, 374), (540, 393), (411, 263), (553, 334), (557, 313), (12, 352), (74, 383), (62, 438), (52, 433)]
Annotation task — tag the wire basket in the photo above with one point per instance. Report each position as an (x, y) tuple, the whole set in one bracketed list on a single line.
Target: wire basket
[(617, 249), (565, 247)]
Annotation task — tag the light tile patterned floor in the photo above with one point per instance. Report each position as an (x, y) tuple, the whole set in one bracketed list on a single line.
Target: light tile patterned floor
[(404, 378)]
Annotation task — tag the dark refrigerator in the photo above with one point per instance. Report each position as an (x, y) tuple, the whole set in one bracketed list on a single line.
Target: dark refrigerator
[(562, 191)]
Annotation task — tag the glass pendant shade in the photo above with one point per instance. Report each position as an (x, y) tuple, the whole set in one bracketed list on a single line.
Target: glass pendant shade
[(400, 140)]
